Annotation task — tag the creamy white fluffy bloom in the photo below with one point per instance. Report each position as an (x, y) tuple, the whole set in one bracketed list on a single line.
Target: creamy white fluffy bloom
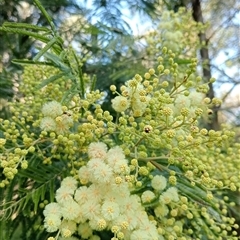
[(151, 229), (98, 223), (85, 231), (52, 209), (159, 182), (117, 192), (52, 109), (95, 191), (63, 195), (161, 210), (84, 174), (70, 210), (139, 107), (114, 154), (139, 235), (174, 193), (132, 204), (141, 217), (68, 228), (120, 103), (52, 223), (97, 150), (169, 195), (81, 195), (110, 210), (147, 196), (100, 171), (63, 124), (127, 217), (91, 209), (69, 182), (116, 160), (48, 124)]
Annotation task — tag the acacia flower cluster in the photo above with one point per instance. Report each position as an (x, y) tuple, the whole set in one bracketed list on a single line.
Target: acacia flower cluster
[(55, 119), (148, 172), (134, 95), (104, 201)]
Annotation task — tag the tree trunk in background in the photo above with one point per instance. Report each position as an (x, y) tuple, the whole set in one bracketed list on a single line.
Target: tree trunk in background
[(197, 16)]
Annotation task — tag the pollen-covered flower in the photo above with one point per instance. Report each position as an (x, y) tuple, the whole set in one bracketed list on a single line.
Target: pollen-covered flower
[(161, 210), (48, 124), (139, 107), (147, 196), (169, 195), (68, 228), (70, 183), (84, 175), (159, 182), (97, 150), (110, 210), (91, 209), (81, 195), (63, 123), (70, 210), (139, 235), (52, 109), (174, 193), (52, 209), (52, 223), (100, 171), (63, 195), (117, 161), (120, 103), (85, 231)]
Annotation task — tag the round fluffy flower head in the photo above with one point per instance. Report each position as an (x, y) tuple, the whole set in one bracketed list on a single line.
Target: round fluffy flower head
[(84, 230), (52, 223), (120, 103), (97, 150), (169, 195), (81, 195), (84, 175), (161, 210), (68, 228), (64, 194), (159, 182), (110, 210), (116, 160), (139, 235), (147, 196), (63, 123), (48, 124), (69, 182), (52, 209), (100, 171), (70, 210), (139, 107), (52, 109)]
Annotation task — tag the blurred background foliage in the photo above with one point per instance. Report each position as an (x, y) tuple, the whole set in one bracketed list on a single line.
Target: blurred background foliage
[(103, 33)]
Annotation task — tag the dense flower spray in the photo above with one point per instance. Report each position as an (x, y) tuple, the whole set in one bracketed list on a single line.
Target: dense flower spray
[(149, 171), (103, 202)]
